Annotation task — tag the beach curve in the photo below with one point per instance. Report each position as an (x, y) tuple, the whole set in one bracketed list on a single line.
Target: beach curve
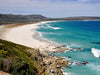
[(25, 34)]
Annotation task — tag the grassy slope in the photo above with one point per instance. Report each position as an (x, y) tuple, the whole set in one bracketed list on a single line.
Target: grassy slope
[(17, 59)]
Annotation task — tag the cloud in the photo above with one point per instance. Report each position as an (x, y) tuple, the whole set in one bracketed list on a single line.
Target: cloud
[(83, 0), (59, 8)]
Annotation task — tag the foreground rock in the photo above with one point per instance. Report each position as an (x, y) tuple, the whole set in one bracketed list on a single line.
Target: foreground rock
[(50, 65)]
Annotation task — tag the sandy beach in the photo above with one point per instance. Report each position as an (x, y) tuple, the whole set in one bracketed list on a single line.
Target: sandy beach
[(25, 34)]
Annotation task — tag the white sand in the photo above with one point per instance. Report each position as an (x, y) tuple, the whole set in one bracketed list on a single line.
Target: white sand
[(24, 35)]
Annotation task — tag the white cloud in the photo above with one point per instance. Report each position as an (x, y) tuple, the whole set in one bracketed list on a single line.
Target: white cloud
[(83, 0), (51, 9)]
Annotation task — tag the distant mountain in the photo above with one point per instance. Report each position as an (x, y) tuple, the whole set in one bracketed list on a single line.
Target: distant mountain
[(80, 18), (11, 17), (23, 19)]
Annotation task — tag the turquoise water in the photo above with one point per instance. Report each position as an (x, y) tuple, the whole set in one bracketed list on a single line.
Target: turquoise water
[(76, 34)]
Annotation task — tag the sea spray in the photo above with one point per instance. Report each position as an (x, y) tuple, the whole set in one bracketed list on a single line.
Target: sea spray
[(96, 52)]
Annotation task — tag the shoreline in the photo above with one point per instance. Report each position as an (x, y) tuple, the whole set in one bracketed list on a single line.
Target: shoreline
[(28, 36), (38, 37), (19, 34)]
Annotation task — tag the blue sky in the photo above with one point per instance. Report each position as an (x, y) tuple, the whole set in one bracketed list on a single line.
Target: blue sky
[(51, 8)]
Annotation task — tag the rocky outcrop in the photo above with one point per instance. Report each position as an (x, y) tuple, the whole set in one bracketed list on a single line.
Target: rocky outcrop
[(77, 63), (84, 63), (4, 73), (79, 49), (75, 49), (50, 65), (1, 44), (53, 65)]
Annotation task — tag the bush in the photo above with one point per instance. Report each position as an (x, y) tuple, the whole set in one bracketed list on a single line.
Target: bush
[(15, 59)]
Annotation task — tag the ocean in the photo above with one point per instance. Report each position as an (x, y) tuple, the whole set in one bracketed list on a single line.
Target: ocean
[(76, 34)]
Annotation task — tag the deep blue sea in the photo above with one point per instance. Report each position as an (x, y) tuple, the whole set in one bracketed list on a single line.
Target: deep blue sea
[(76, 34)]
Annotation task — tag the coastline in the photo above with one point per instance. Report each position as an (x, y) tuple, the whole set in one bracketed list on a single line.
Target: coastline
[(35, 36), (28, 36)]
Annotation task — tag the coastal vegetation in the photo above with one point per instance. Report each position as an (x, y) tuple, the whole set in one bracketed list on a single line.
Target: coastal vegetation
[(16, 60), (20, 60)]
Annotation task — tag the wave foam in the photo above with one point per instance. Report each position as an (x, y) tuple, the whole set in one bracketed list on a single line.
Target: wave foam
[(40, 34), (65, 73), (51, 33), (55, 28), (74, 45), (96, 52), (94, 67)]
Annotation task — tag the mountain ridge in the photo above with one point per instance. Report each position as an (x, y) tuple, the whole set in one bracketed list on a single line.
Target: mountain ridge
[(14, 19)]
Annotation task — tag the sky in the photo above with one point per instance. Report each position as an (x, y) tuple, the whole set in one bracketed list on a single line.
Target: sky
[(51, 8)]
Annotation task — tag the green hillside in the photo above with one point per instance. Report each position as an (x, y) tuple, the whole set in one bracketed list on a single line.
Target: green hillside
[(17, 60)]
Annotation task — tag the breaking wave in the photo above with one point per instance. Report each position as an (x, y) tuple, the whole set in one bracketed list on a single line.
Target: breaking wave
[(96, 52), (55, 28), (48, 26)]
